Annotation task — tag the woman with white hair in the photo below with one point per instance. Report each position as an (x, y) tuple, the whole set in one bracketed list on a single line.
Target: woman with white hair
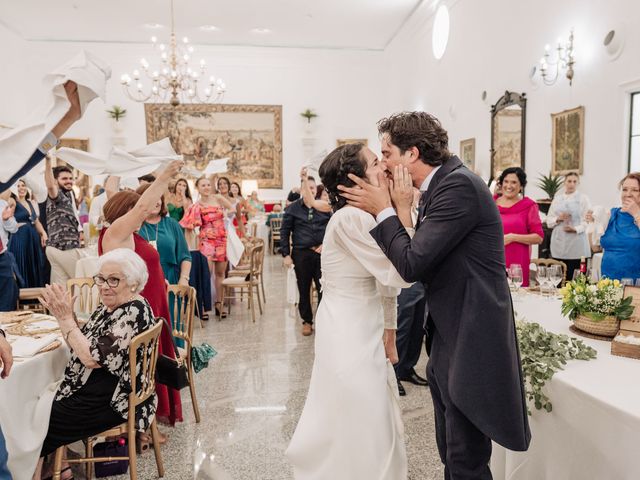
[(94, 393)]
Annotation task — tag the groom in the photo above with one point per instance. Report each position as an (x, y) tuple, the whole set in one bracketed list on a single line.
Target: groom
[(457, 252)]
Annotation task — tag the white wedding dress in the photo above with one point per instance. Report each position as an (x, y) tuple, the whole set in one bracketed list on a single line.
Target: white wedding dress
[(351, 425)]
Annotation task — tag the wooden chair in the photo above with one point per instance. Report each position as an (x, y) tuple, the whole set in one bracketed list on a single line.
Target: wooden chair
[(275, 224), (182, 302), (146, 345), (254, 229), (29, 299), (251, 282), (546, 262), (87, 293), (242, 270)]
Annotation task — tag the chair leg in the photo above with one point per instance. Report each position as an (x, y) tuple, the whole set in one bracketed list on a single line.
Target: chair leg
[(252, 307), (259, 300), (133, 458), (192, 389), (57, 463), (89, 454), (264, 297), (155, 436)]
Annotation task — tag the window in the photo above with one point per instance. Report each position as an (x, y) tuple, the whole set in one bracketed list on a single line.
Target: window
[(634, 133)]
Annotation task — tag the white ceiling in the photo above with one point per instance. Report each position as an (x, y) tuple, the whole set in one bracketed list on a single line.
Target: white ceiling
[(358, 24)]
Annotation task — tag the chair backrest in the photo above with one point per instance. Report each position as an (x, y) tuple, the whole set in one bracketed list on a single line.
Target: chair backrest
[(182, 302), (145, 345), (259, 242), (254, 229), (276, 225), (87, 293), (257, 258), (548, 262)]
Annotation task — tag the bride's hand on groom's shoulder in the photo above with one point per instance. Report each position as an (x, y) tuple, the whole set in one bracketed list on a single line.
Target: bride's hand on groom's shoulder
[(366, 196)]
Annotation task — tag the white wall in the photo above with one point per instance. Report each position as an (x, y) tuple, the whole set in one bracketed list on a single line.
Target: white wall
[(492, 46), (343, 87)]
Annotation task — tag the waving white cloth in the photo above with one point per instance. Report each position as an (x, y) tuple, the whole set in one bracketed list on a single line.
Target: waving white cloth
[(17, 145), (120, 162)]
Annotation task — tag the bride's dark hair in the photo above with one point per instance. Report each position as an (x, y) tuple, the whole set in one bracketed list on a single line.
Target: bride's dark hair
[(335, 169)]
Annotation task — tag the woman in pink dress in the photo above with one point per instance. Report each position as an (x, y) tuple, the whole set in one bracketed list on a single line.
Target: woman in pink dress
[(209, 214), (520, 220)]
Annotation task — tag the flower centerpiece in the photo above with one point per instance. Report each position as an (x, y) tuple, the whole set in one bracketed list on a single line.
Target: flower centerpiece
[(596, 308)]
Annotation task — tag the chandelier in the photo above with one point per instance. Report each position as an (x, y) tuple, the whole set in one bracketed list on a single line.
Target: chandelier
[(563, 60), (174, 79)]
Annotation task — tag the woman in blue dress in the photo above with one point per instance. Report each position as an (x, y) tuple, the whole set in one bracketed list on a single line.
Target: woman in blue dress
[(27, 244), (621, 240)]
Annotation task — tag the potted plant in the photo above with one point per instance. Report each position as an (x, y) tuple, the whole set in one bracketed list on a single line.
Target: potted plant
[(549, 184), (596, 308), (309, 114), (116, 113)]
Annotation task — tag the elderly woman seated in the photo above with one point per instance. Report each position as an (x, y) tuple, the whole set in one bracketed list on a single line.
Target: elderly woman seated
[(94, 393)]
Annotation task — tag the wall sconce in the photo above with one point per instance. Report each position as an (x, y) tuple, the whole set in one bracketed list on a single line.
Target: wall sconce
[(550, 67)]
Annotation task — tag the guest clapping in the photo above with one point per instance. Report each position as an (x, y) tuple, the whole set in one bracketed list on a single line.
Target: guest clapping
[(621, 240), (520, 220), (94, 394)]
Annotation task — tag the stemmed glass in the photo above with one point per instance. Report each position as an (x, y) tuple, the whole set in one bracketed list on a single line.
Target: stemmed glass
[(627, 281), (542, 276), (555, 276), (515, 274)]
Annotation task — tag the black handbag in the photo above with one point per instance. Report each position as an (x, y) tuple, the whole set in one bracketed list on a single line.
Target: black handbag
[(115, 448), (169, 371)]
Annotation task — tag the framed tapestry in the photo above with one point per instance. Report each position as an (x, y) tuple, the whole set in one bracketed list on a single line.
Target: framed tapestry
[(567, 141), (468, 152), (346, 141), (250, 136)]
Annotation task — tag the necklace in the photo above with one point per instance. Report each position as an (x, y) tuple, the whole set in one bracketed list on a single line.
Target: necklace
[(153, 243)]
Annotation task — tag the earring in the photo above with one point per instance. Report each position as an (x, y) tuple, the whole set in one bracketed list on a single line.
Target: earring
[(133, 289)]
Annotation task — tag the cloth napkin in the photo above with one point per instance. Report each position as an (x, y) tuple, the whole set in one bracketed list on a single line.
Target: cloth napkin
[(29, 346), (17, 145), (120, 162)]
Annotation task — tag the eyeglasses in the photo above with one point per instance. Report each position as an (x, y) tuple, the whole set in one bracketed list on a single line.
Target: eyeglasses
[(113, 282)]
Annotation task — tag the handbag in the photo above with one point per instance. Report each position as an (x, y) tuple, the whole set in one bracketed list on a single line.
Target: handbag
[(169, 371), (115, 448), (293, 296)]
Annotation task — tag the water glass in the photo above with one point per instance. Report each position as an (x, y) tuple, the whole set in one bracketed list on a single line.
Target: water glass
[(555, 275), (515, 274), (542, 276), (627, 281)]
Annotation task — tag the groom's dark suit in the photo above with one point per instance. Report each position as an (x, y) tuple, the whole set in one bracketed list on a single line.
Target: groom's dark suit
[(474, 363)]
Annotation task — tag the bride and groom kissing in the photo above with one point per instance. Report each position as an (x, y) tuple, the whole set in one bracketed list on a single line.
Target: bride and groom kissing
[(351, 426)]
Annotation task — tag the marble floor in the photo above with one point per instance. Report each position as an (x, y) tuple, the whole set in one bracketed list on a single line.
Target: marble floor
[(253, 392)]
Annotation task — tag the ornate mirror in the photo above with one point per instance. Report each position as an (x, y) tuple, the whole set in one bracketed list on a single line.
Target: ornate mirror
[(508, 120)]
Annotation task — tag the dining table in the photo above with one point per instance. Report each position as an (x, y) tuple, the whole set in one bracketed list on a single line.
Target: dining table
[(26, 395), (593, 430)]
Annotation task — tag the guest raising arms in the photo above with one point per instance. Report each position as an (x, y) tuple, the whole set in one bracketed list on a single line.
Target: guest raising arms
[(125, 212), (27, 244), (520, 220), (208, 213)]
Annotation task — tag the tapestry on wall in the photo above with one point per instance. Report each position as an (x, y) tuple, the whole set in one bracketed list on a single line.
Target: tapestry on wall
[(468, 153), (80, 179), (250, 136), (567, 141)]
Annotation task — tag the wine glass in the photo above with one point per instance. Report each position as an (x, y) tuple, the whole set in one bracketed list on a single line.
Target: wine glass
[(515, 274), (627, 281), (555, 275), (542, 276)]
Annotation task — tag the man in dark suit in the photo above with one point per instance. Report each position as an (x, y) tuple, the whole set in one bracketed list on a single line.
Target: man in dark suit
[(457, 252)]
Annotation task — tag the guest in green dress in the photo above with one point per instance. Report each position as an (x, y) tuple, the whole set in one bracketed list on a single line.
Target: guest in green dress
[(179, 199), (166, 236)]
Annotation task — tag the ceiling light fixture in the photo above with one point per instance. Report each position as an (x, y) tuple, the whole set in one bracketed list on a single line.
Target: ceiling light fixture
[(174, 77), (564, 60), (440, 36), (260, 30), (208, 28)]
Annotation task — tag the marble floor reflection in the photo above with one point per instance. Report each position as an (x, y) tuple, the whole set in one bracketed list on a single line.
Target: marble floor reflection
[(253, 392)]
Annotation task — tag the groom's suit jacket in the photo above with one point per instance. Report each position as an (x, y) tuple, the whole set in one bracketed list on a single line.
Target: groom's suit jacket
[(458, 253)]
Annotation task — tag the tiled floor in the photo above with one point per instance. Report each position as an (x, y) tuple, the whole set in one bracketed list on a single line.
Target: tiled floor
[(253, 392)]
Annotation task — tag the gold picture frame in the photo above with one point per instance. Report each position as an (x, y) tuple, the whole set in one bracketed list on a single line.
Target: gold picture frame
[(250, 136), (567, 141), (468, 153), (346, 141)]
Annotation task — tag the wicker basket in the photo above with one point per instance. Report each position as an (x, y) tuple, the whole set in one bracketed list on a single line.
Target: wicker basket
[(607, 327)]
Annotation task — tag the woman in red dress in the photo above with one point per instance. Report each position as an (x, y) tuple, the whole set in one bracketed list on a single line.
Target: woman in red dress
[(520, 220), (125, 212)]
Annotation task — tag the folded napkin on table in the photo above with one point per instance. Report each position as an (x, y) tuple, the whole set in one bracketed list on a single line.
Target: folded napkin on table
[(29, 346)]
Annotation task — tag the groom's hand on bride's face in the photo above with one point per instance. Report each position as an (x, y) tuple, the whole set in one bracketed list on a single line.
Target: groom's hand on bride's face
[(368, 197)]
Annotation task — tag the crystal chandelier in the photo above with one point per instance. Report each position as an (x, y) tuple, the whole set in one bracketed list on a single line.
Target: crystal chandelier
[(564, 61), (174, 79)]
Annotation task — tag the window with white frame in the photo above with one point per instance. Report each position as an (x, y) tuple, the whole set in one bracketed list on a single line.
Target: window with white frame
[(634, 133)]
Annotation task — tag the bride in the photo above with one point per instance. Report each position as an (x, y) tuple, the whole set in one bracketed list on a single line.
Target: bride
[(351, 425)]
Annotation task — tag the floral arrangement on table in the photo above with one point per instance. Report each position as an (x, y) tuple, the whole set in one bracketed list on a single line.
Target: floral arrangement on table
[(596, 307), (542, 354)]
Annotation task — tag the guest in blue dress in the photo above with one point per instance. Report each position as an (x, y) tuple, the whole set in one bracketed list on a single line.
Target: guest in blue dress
[(26, 244), (621, 240)]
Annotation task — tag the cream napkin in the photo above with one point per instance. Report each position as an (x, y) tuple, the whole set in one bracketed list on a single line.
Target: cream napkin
[(29, 346)]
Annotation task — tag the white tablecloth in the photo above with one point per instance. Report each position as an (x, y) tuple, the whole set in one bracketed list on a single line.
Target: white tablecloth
[(593, 431), (25, 406)]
